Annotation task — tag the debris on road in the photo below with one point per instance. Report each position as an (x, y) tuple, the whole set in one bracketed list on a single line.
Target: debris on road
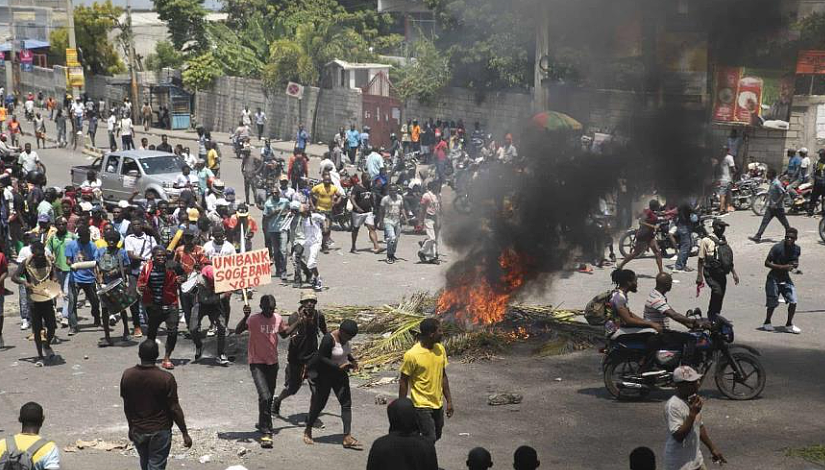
[(97, 444), (506, 398)]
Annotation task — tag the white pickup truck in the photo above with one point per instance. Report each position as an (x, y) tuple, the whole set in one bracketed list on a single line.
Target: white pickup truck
[(124, 172)]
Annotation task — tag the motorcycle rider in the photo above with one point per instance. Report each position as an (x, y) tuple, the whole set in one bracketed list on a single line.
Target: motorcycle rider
[(776, 206), (818, 177), (659, 311), (623, 321)]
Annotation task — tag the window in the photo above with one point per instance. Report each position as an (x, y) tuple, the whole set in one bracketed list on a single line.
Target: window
[(112, 164), (129, 164)]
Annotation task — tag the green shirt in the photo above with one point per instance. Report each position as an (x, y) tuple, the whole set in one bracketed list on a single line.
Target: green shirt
[(58, 209), (58, 248)]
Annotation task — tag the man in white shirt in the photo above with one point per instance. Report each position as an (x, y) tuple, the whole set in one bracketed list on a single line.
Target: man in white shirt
[(138, 246), (260, 120), (111, 127), (726, 170), (684, 424), (29, 160), (805, 168), (218, 246), (186, 179), (78, 110), (126, 130)]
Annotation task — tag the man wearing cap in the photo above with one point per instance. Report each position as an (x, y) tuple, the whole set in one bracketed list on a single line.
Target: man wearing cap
[(229, 195), (711, 271), (191, 258), (214, 194), (239, 223), (286, 189), (303, 343), (686, 431)]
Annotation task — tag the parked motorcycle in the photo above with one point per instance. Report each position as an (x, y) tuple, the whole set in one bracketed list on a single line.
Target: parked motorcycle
[(742, 192), (796, 200), (631, 370)]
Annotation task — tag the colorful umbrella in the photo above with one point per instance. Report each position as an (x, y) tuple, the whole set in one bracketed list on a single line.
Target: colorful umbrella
[(556, 121)]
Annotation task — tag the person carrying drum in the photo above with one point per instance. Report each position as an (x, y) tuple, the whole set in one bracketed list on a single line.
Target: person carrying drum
[(158, 286), (37, 274), (112, 263), (209, 304), (191, 258)]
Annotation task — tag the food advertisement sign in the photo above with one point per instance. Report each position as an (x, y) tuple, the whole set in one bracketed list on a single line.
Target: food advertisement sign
[(755, 97)]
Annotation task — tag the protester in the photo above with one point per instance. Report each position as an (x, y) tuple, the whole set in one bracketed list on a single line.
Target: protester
[(276, 209), (685, 426), (642, 458), (82, 250), (260, 120), (36, 273), (164, 145), (392, 216), (818, 178), (402, 448), (353, 142), (27, 450), (715, 263), (479, 458), (782, 259), (307, 239), (150, 403), (362, 213), (158, 286), (303, 344), (431, 215), (191, 258), (646, 236), (727, 168), (112, 264), (424, 377), (126, 130), (146, 112), (775, 206), (209, 304), (138, 245), (525, 458), (623, 321)]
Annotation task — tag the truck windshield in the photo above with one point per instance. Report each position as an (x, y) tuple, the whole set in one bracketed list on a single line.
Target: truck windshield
[(163, 164)]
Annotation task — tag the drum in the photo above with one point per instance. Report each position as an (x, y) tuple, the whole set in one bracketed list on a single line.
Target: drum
[(46, 290), (115, 296)]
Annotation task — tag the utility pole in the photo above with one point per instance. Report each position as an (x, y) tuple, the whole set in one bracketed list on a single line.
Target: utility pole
[(132, 62), (72, 40), (12, 68)]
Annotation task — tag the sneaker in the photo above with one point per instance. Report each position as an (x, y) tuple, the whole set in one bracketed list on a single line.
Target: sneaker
[(390, 260), (138, 333), (755, 239), (316, 286), (39, 363), (276, 407), (25, 325), (223, 360), (64, 322), (113, 320), (72, 331), (198, 352), (766, 327), (167, 364), (792, 329), (674, 258), (49, 351), (212, 331), (422, 257)]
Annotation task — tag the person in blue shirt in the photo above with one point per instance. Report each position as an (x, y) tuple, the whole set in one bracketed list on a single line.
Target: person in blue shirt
[(275, 208), (794, 165), (353, 141), (364, 140), (112, 263), (301, 138), (79, 250)]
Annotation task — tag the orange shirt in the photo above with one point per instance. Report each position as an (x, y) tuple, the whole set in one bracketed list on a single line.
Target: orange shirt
[(416, 133)]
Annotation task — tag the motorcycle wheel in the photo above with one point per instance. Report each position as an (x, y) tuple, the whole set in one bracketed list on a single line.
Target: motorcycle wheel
[(626, 242), (758, 203), (822, 229), (742, 203), (614, 372), (461, 204), (749, 386)]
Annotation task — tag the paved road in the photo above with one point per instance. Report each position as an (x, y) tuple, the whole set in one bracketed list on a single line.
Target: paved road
[(571, 421)]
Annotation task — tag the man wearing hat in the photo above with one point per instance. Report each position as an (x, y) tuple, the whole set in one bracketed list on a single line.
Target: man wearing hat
[(241, 222), (713, 250), (303, 343), (214, 194), (684, 424)]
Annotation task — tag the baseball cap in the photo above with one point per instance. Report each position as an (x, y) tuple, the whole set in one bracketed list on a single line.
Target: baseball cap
[(305, 296), (720, 223), (283, 177), (230, 191), (192, 214), (685, 374), (43, 218), (803, 150)]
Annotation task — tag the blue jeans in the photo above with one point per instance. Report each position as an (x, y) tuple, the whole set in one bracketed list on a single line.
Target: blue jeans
[(284, 249), (392, 230), (91, 296), (153, 448), (685, 241)]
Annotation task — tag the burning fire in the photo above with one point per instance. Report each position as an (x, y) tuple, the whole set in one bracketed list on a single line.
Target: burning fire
[(476, 298)]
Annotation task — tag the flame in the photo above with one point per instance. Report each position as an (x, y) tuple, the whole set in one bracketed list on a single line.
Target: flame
[(476, 298)]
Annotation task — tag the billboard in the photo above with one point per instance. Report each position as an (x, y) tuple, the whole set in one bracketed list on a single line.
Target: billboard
[(754, 97), (811, 63)]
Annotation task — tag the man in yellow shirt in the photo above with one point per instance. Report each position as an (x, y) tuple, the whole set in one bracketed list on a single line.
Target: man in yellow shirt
[(28, 444), (213, 161), (326, 196), (424, 376)]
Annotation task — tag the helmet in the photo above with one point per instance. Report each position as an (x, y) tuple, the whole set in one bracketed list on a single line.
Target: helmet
[(218, 184), (36, 177)]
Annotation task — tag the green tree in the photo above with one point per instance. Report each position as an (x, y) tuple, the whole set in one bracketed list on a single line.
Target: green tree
[(424, 76), (93, 24), (490, 42), (165, 55), (186, 20), (201, 72), (58, 42)]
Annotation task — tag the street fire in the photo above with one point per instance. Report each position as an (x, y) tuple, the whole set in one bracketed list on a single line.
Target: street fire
[(481, 297)]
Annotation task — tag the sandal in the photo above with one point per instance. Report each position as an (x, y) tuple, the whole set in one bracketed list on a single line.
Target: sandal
[(308, 440), (167, 364), (353, 444)]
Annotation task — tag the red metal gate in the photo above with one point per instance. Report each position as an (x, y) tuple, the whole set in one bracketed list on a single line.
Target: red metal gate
[(382, 112)]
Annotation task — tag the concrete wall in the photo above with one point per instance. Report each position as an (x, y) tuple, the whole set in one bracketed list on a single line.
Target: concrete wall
[(336, 108)]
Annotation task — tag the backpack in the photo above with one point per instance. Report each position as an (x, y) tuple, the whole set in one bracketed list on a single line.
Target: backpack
[(598, 310), (16, 459), (722, 259)]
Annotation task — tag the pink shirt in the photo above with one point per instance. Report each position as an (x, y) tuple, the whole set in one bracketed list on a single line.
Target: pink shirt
[(263, 338)]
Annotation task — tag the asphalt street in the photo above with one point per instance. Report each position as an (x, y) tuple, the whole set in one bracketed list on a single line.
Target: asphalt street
[(566, 413)]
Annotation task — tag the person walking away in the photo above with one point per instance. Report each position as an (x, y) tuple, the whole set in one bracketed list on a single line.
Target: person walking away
[(209, 304), (362, 214), (39, 130), (642, 458), (431, 215), (92, 129), (526, 458), (301, 138), (246, 116), (646, 236), (714, 265), (36, 273), (685, 220), (402, 448), (251, 166), (686, 430), (150, 403), (158, 287), (262, 356), (424, 378), (306, 324), (60, 124), (112, 263), (260, 120), (353, 141), (127, 133), (818, 178), (440, 153), (331, 367), (325, 197), (146, 113), (727, 168), (112, 129), (27, 450), (78, 251), (391, 214), (776, 206), (782, 259)]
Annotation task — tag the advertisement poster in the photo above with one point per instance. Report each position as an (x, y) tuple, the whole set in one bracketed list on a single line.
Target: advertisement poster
[(755, 97), (26, 60), (74, 77), (71, 58)]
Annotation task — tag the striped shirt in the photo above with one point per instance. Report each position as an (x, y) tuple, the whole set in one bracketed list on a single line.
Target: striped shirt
[(655, 308)]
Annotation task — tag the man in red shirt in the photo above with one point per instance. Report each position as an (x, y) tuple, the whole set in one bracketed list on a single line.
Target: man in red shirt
[(262, 356), (158, 286), (646, 236), (191, 258), (440, 152)]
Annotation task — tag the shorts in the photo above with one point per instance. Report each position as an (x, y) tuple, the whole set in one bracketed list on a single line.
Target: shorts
[(723, 189), (367, 218), (311, 255), (774, 288)]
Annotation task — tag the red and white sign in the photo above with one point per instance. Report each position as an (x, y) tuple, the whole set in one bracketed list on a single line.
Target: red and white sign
[(242, 270), (295, 90)]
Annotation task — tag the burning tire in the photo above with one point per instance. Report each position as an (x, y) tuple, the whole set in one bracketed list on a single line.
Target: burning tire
[(617, 371)]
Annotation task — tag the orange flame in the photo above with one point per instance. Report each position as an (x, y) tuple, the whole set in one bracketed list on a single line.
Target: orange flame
[(474, 298)]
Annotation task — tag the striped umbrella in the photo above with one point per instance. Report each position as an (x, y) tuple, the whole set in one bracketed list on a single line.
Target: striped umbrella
[(556, 121)]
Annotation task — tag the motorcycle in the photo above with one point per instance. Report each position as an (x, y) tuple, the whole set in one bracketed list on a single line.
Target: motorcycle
[(742, 192), (242, 147), (796, 200), (663, 239), (631, 370)]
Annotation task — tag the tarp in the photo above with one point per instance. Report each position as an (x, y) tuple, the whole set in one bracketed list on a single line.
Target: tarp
[(26, 44)]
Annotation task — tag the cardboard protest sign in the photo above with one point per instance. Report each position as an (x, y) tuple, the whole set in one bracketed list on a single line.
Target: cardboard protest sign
[(242, 270)]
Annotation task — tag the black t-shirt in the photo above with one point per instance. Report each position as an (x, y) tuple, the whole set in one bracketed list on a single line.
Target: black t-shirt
[(363, 197), (304, 341), (782, 254)]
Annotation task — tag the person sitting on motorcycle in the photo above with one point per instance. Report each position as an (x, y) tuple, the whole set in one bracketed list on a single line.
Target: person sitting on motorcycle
[(659, 311), (266, 152), (646, 236), (623, 321), (5, 149), (395, 147)]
